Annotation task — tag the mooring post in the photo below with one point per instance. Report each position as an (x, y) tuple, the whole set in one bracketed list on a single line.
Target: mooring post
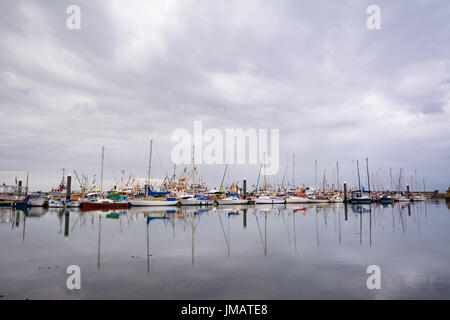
[(407, 190), (68, 189), (345, 192), (244, 187), (19, 188), (66, 224), (245, 218), (346, 211)]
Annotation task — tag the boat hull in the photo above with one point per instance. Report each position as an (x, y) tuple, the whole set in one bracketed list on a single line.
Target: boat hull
[(269, 201), (100, 206), (318, 201), (37, 202), (297, 200), (148, 203), (6, 203), (228, 202), (195, 202)]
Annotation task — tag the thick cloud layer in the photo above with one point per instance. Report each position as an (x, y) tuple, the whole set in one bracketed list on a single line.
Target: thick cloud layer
[(140, 69)]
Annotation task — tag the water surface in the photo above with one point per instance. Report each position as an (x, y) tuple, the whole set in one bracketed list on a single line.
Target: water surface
[(244, 252)]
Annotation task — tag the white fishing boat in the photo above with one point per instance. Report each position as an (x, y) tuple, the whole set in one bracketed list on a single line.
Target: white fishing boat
[(74, 203), (37, 201), (231, 200), (191, 200), (361, 199), (153, 201), (336, 199), (385, 199), (402, 198), (418, 197), (269, 200), (52, 203), (294, 199)]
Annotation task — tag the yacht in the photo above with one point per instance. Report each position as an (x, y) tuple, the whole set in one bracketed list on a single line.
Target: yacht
[(266, 199)]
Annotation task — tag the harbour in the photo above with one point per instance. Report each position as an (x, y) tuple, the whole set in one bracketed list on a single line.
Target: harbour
[(215, 158), (285, 251)]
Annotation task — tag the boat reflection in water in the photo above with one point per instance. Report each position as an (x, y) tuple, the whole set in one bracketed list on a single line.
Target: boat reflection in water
[(270, 251)]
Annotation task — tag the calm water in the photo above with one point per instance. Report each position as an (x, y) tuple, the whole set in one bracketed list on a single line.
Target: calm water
[(245, 252)]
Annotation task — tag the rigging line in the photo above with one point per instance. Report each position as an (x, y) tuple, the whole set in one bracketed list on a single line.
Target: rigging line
[(111, 167), (109, 242), (287, 229), (161, 242), (160, 161), (223, 229)]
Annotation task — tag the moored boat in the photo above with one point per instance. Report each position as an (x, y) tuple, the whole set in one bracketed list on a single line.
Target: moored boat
[(269, 200), (37, 201), (295, 199), (153, 201), (103, 204), (418, 197), (53, 203), (231, 200), (196, 200), (385, 199)]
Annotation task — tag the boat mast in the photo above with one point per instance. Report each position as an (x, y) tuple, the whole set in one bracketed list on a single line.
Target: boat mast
[(259, 174), (293, 170), (101, 174), (390, 173), (315, 179), (26, 188), (193, 166), (223, 178), (149, 167), (368, 179), (265, 182), (415, 180), (359, 180), (337, 174)]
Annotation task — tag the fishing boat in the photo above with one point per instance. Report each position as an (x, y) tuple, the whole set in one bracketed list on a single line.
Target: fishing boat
[(418, 197), (360, 198), (54, 203), (153, 201), (197, 200), (73, 203), (269, 199), (318, 199), (336, 199), (37, 200), (296, 199), (103, 204), (402, 198), (231, 200), (385, 199)]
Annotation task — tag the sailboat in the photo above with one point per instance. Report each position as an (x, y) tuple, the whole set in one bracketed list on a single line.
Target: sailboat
[(231, 200), (358, 196), (153, 198), (269, 199)]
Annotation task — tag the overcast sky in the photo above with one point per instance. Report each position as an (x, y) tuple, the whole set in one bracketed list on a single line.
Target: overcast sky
[(137, 70)]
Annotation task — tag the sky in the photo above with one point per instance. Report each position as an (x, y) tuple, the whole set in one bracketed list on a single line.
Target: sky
[(139, 70)]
